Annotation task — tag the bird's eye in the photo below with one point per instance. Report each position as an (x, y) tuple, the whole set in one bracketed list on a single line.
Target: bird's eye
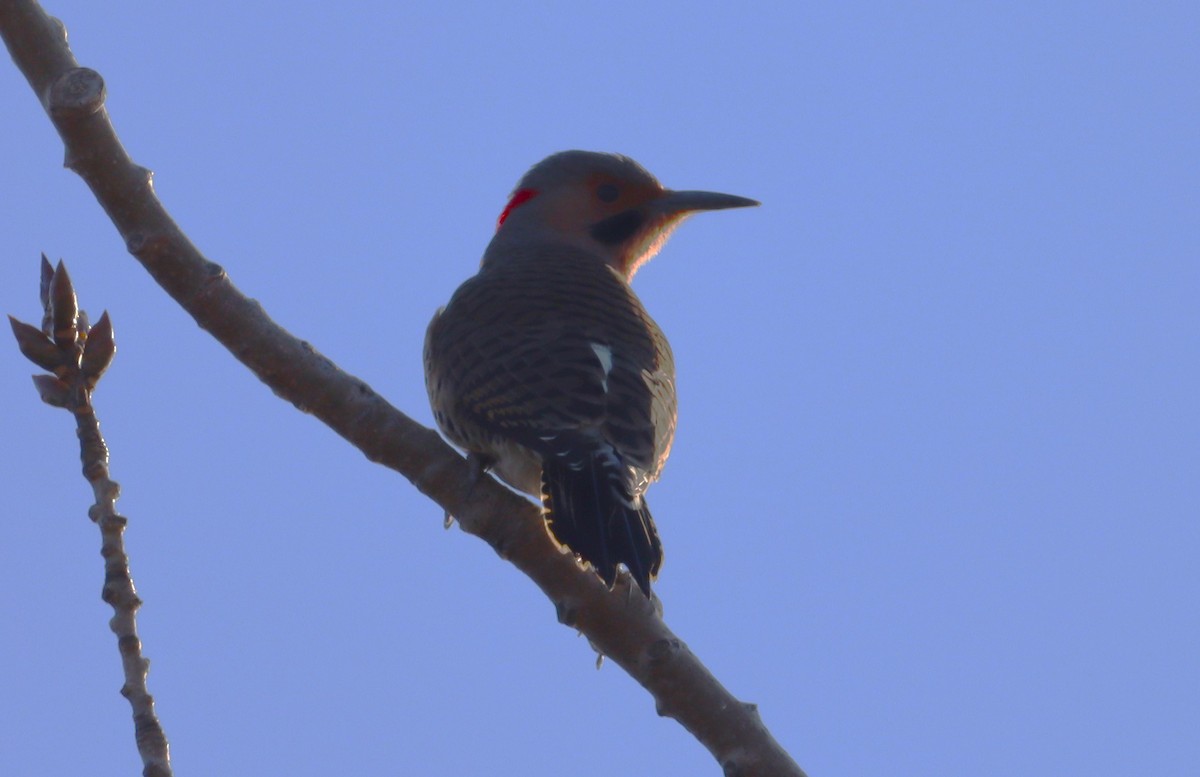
[(607, 192)]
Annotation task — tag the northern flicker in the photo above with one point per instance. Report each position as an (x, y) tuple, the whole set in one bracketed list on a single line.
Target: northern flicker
[(546, 367)]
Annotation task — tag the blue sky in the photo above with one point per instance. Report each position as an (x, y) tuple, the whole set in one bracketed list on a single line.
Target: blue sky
[(933, 503)]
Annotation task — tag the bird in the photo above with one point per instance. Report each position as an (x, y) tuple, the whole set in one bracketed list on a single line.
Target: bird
[(545, 366)]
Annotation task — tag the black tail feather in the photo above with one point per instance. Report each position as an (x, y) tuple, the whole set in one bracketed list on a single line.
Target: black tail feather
[(591, 511)]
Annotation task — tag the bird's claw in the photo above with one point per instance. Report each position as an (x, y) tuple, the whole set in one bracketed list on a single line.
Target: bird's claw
[(478, 466)]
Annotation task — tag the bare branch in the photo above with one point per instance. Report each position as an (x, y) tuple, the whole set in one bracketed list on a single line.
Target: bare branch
[(622, 626), (71, 388)]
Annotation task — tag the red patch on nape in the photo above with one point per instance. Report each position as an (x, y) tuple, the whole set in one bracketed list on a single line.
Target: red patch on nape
[(519, 198)]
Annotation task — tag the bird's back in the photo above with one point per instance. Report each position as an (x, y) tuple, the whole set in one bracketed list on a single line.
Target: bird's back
[(553, 342), (550, 368)]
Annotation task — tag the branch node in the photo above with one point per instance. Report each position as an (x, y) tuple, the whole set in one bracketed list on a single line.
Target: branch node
[(113, 522), (76, 94), (109, 491), (147, 245), (128, 645), (59, 28), (135, 242), (567, 612), (214, 283), (109, 594), (662, 651)]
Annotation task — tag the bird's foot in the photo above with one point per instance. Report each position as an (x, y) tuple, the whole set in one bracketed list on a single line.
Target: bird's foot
[(478, 466)]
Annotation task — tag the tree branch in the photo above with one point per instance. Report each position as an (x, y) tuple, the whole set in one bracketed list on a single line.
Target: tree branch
[(622, 626), (76, 355)]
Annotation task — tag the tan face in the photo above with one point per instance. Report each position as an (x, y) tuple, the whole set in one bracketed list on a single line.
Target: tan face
[(612, 216), (605, 204)]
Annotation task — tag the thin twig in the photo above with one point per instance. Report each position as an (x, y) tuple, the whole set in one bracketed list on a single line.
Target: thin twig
[(76, 355)]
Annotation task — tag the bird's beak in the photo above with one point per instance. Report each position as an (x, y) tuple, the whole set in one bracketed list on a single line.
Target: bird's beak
[(664, 214), (673, 203)]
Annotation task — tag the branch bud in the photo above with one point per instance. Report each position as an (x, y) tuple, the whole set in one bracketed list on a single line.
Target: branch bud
[(37, 347), (98, 351)]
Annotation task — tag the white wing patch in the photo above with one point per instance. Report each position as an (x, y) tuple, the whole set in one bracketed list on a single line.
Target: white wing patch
[(604, 354)]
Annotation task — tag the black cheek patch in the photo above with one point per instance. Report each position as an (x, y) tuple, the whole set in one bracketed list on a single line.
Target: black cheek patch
[(615, 230)]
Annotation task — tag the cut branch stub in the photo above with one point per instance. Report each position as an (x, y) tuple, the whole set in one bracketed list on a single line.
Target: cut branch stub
[(77, 94)]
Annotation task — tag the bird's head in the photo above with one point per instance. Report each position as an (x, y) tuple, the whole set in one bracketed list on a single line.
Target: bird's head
[(606, 204)]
